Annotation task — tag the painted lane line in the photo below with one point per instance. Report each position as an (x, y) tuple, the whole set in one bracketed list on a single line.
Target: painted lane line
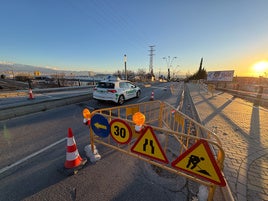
[(159, 87), (140, 100), (31, 156)]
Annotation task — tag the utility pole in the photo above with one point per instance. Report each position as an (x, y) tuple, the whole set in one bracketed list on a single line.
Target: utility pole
[(151, 71)]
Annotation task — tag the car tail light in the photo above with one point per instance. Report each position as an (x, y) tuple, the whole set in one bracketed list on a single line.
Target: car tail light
[(112, 90)]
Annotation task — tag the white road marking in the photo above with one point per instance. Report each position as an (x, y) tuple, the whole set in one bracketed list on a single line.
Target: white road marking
[(159, 87), (140, 100), (30, 156)]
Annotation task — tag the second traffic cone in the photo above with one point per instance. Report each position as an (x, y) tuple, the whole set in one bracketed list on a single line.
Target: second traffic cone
[(73, 158), (152, 96), (31, 94)]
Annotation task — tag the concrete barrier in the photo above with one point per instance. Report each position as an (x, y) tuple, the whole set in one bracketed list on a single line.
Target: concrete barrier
[(258, 98), (34, 107), (7, 94)]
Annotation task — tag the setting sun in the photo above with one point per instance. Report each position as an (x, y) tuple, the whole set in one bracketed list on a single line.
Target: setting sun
[(260, 68)]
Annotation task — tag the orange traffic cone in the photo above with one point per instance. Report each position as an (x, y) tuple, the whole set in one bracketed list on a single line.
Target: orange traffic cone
[(152, 96), (31, 94), (73, 158)]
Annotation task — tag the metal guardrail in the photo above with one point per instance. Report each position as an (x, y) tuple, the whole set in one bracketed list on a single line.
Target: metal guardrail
[(172, 128)]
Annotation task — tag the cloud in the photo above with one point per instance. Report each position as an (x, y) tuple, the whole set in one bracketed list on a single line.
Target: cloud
[(6, 62), (52, 67)]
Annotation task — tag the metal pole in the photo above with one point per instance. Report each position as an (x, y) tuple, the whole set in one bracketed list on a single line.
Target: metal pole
[(125, 61), (169, 64)]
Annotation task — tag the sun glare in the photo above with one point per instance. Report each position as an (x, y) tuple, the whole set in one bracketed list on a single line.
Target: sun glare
[(260, 68)]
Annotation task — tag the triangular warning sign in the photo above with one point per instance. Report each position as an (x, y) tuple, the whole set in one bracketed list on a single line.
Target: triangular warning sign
[(148, 145), (199, 161)]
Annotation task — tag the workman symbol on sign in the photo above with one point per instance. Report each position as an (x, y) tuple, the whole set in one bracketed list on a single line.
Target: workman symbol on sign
[(194, 161)]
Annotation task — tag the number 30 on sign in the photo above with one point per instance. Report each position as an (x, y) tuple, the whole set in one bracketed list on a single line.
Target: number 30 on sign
[(120, 131)]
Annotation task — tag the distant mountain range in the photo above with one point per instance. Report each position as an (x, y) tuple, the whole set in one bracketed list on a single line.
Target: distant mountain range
[(22, 68)]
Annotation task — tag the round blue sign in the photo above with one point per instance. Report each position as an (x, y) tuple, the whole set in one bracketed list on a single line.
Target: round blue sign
[(100, 125)]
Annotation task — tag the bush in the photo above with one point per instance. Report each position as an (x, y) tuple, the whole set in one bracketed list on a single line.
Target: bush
[(22, 78)]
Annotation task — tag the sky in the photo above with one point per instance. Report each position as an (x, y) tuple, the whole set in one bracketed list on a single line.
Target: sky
[(94, 35)]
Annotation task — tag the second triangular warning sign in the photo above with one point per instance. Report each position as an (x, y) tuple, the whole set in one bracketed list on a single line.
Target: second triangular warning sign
[(148, 145), (199, 161)]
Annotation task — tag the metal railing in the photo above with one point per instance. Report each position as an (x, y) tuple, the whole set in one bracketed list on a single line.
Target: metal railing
[(175, 133)]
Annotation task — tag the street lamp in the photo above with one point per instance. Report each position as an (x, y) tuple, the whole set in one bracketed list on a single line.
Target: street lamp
[(169, 64), (125, 61)]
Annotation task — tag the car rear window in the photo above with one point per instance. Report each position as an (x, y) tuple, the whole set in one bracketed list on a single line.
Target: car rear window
[(105, 85)]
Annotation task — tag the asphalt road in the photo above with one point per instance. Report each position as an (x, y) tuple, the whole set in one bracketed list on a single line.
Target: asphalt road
[(33, 151)]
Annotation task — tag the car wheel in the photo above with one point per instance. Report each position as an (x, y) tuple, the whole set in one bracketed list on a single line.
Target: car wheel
[(138, 94), (121, 100)]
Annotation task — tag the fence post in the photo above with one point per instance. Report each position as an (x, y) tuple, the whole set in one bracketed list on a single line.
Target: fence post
[(160, 121)]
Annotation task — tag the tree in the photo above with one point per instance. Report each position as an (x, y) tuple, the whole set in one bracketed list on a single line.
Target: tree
[(130, 75), (141, 73), (118, 74), (200, 74)]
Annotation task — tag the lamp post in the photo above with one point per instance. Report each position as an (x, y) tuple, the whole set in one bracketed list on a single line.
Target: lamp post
[(125, 61), (169, 63)]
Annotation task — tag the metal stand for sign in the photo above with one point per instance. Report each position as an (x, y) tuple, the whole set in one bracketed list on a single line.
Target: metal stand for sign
[(164, 127)]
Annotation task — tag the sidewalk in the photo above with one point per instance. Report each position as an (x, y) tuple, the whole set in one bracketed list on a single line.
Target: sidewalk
[(243, 130)]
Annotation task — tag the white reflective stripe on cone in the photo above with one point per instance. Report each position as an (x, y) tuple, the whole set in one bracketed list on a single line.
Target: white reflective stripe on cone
[(70, 156), (70, 141)]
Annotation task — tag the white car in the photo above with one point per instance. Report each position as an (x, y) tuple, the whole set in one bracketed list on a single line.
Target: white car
[(116, 90)]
